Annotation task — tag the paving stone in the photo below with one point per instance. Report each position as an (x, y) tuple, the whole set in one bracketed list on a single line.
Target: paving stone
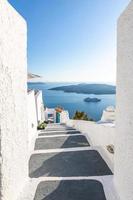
[(70, 190), (61, 142), (67, 164), (43, 133), (59, 129)]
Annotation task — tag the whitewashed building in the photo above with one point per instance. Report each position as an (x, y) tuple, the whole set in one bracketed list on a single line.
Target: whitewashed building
[(50, 115), (32, 118), (39, 106), (15, 128)]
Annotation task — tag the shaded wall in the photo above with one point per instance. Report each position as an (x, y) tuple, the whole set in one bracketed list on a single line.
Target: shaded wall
[(124, 125), (13, 102)]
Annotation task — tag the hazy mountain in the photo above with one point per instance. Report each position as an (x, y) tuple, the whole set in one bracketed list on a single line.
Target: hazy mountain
[(88, 89)]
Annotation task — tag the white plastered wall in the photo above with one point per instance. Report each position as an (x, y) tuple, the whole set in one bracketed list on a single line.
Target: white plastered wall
[(124, 112), (98, 134), (39, 107), (32, 120), (13, 102), (64, 116)]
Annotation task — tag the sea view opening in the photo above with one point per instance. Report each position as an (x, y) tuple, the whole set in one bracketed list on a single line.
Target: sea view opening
[(66, 128)]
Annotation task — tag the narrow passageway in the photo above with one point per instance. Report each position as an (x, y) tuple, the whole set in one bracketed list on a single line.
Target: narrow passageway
[(64, 159)]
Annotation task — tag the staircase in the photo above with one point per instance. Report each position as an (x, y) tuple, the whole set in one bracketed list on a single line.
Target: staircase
[(65, 167)]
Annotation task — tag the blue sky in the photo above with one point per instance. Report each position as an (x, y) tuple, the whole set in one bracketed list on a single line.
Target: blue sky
[(72, 40)]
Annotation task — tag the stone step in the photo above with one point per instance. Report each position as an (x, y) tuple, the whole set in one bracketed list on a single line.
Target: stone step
[(59, 129), (70, 190), (68, 164), (61, 142), (45, 133)]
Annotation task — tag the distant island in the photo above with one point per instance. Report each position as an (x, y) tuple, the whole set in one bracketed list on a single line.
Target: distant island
[(92, 100), (88, 89)]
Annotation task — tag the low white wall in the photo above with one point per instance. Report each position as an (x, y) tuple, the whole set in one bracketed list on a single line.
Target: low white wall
[(98, 134), (13, 102), (32, 120)]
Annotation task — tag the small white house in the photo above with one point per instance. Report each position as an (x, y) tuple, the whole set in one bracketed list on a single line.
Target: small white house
[(50, 115), (53, 116)]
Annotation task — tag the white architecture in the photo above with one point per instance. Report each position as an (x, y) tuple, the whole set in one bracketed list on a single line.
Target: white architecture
[(32, 119), (50, 115), (124, 108), (13, 102), (108, 115), (39, 106), (100, 135), (20, 113), (64, 116)]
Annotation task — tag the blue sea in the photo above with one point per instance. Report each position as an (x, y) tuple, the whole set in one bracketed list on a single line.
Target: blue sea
[(73, 101)]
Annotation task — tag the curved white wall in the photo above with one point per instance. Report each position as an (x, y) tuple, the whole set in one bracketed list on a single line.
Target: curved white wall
[(124, 128)]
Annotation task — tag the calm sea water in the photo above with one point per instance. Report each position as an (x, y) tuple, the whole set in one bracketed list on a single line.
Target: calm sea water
[(72, 101)]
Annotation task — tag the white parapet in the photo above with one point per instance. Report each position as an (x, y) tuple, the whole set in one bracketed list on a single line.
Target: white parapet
[(124, 112), (13, 102), (98, 134)]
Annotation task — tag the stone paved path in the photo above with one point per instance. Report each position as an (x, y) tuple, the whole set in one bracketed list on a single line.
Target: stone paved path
[(61, 154)]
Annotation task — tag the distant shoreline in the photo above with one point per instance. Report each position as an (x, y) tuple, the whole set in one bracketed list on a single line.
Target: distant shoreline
[(96, 89)]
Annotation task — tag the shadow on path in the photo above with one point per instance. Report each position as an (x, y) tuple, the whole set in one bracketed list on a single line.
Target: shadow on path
[(70, 190), (61, 142), (43, 133), (67, 164)]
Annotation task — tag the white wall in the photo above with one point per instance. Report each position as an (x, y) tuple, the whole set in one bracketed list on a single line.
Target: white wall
[(109, 115), (64, 116), (32, 120), (39, 107), (13, 102), (98, 134), (124, 128), (50, 111)]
